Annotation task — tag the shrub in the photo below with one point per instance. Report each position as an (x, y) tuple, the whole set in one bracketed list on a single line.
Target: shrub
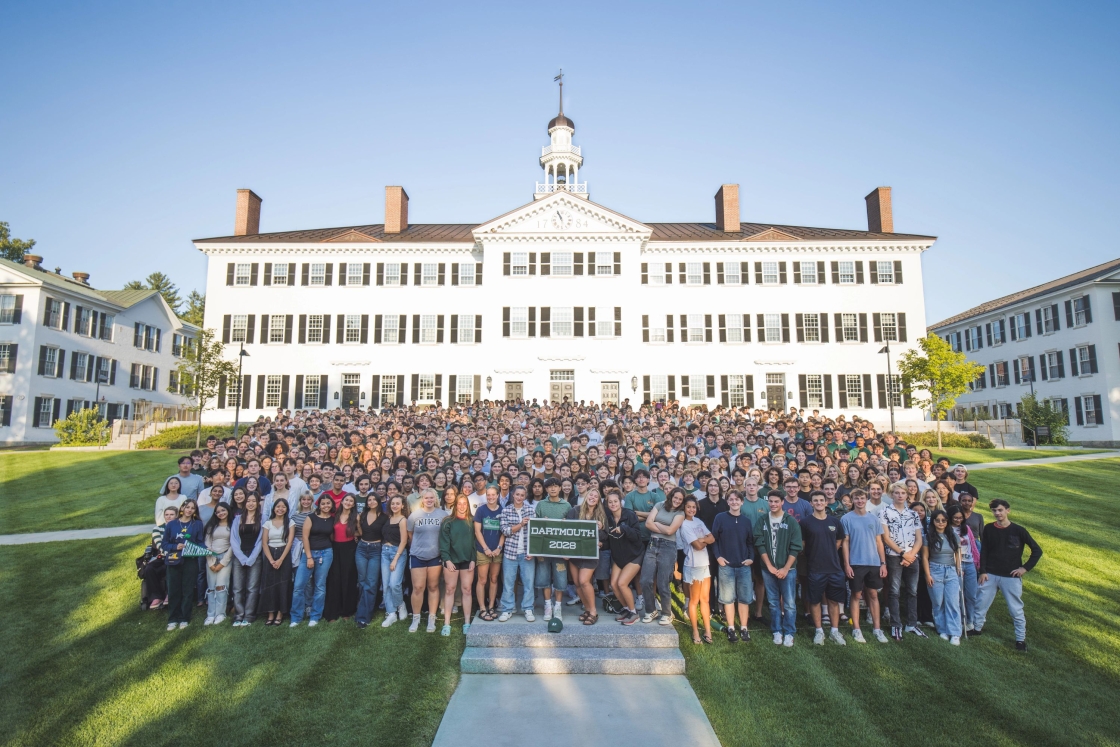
[(949, 440), (82, 428), (183, 436)]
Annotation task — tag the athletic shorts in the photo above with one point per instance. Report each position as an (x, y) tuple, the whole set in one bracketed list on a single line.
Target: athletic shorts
[(551, 572), (827, 584), (481, 558), (867, 576), (463, 566), (584, 564), (415, 563)]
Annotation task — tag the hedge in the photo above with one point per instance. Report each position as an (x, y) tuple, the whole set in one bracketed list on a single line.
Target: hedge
[(949, 440), (182, 436)]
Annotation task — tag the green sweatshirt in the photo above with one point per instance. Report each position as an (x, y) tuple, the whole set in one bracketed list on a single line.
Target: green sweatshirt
[(456, 540), (788, 539)]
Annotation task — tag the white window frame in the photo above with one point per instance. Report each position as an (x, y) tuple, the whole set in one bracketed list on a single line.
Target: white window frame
[(280, 273), (311, 391), (732, 273), (272, 387), (426, 388), (233, 393), (315, 329), (81, 365), (772, 327), (1052, 368), (50, 362), (561, 323), (1002, 379), (103, 373), (658, 334), (604, 263), (734, 327), (884, 327), (695, 330), (429, 274), (5, 356), (846, 271), (391, 330), (1083, 361), (276, 331), (849, 331), (997, 339), (561, 264), (604, 321), (894, 390), (885, 272), (7, 308), (146, 378), (1022, 324), (86, 322), (464, 389), (519, 264), (658, 388), (770, 273), (388, 390), (1089, 410), (467, 272), (1023, 363), (239, 328), (737, 390), (53, 309), (242, 274), (355, 273), (697, 393), (854, 382), (814, 390), (352, 329), (468, 338), (1048, 320), (519, 322), (694, 273), (808, 273), (811, 324), (317, 273), (46, 413), (392, 275), (427, 329), (1079, 315)]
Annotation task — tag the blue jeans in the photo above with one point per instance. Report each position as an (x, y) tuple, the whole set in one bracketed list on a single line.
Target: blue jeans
[(971, 592), (511, 569), (945, 595), (367, 556), (318, 576), (781, 596), (391, 580)]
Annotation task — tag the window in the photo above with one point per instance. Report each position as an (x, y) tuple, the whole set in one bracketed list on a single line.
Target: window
[(466, 329), (429, 274), (233, 393), (812, 326), (272, 391), (655, 275), (466, 273), (769, 273), (814, 388), (697, 387), (519, 321), (239, 328), (894, 389), (1081, 313), (773, 328), (1021, 326), (276, 329), (519, 263), (561, 321), (46, 413), (390, 329), (657, 334), (354, 273), (562, 263), (1048, 321), (889, 322), (427, 328), (53, 310), (1001, 373), (311, 390), (694, 273), (177, 345), (388, 390), (50, 362), (392, 273), (971, 336), (353, 328), (604, 321), (318, 274), (87, 322), (604, 263), (1024, 368), (847, 272), (850, 327), (854, 386), (351, 379), (997, 332), (146, 377), (464, 389), (242, 273), (315, 328), (7, 309), (658, 388), (808, 273), (737, 390), (6, 358), (885, 272), (1089, 406), (1054, 367), (280, 273), (80, 366), (105, 370), (696, 328), (1060, 405), (734, 327), (732, 273), (427, 388)]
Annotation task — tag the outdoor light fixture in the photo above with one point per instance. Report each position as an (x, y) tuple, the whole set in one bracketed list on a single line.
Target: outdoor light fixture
[(633, 383), (489, 383), (890, 383)]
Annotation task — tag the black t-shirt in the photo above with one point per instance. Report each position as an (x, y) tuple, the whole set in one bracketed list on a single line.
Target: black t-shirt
[(805, 495), (321, 531), (371, 530), (706, 511), (820, 536)]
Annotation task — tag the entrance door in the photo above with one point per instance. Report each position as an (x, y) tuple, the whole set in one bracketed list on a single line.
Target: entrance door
[(776, 391), (610, 393), (562, 386), (350, 396), (514, 391)]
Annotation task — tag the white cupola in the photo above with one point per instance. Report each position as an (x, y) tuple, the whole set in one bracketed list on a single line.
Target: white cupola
[(561, 160)]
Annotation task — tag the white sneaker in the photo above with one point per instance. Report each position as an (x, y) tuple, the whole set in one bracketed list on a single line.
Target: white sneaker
[(879, 635), (431, 623), (208, 621), (402, 612), (529, 616), (665, 620), (788, 641), (818, 637), (557, 612), (313, 623), (219, 619), (955, 640), (943, 637), (570, 602), (547, 610), (857, 636), (183, 625), (293, 625), (415, 624), (650, 616), (389, 619), (504, 617), (837, 637), (172, 626), (777, 639)]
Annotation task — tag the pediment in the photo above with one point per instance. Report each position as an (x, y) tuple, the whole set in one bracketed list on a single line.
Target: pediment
[(772, 234), (562, 215), (352, 237)]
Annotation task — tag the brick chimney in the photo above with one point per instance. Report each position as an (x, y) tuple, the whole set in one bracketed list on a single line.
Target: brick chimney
[(727, 208), (248, 220), (81, 277), (34, 261), (879, 218), (396, 210)]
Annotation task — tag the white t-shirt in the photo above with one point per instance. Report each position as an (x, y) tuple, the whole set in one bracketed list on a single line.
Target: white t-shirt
[(476, 500), (690, 531), (873, 509)]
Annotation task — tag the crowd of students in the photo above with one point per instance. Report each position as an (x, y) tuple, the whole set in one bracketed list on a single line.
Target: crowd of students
[(317, 515)]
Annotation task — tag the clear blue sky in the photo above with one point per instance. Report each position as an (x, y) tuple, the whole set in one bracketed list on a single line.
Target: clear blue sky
[(126, 128)]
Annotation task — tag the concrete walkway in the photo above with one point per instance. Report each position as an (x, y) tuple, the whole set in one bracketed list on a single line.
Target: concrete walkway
[(574, 710), (77, 534), (1044, 460)]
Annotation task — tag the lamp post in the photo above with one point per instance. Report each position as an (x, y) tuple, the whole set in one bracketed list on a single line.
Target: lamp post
[(890, 382), (97, 402), (240, 389)]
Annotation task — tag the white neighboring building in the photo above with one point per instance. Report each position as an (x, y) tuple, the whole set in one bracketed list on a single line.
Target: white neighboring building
[(563, 298), (58, 336), (1060, 338)]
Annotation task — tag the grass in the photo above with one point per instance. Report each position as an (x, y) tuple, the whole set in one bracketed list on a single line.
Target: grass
[(82, 665), (49, 490), (979, 456), (925, 692)]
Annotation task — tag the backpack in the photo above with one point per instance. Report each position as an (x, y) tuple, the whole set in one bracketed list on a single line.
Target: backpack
[(612, 605)]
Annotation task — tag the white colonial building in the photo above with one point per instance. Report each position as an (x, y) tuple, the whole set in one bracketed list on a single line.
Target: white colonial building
[(1060, 340), (563, 298), (65, 345)]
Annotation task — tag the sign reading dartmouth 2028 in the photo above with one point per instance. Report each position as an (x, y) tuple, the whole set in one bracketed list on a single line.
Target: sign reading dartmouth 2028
[(563, 538)]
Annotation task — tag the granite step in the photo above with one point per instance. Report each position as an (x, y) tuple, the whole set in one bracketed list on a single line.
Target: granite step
[(516, 633), (574, 660)]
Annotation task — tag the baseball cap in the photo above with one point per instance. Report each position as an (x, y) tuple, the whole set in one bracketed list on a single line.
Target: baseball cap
[(555, 625)]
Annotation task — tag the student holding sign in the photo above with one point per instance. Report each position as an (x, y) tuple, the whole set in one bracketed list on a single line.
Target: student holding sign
[(590, 510)]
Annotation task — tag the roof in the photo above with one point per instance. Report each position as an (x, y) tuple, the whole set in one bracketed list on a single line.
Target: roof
[(53, 280), (770, 232), (374, 233), (1062, 283), (561, 121), (127, 297)]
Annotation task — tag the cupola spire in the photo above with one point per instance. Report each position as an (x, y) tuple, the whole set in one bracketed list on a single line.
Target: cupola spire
[(561, 160)]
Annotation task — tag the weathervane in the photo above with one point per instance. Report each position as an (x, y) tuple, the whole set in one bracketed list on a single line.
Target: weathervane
[(560, 79)]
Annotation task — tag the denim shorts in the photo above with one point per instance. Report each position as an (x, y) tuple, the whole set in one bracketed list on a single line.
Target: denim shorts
[(736, 584), (694, 573), (551, 572)]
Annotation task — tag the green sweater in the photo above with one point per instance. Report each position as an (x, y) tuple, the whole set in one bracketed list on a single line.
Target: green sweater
[(788, 540), (456, 540)]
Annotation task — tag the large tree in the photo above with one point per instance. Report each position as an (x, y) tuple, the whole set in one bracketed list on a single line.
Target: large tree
[(10, 248), (157, 281), (202, 371), (936, 376), (195, 310)]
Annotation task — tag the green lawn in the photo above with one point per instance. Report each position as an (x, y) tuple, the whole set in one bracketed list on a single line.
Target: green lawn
[(82, 666), (977, 456), (48, 490), (1061, 692)]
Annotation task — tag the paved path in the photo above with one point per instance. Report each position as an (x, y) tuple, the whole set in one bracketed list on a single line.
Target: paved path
[(515, 710), (77, 534), (1045, 460)]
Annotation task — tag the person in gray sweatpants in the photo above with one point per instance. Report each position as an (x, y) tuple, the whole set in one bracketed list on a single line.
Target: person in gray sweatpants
[(1002, 569)]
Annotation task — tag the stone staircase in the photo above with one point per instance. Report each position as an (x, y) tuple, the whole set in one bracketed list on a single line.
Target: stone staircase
[(520, 647)]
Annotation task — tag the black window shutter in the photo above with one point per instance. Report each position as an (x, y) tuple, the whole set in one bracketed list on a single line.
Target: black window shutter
[(439, 387), (441, 273), (901, 326), (827, 379), (268, 273), (452, 388), (439, 330), (710, 381), (683, 273), (591, 321), (1088, 314), (820, 272), (377, 320), (380, 273), (823, 324), (478, 274), (1054, 316), (264, 328), (365, 328), (669, 328), (988, 333), (505, 321), (74, 366), (898, 272), (13, 356), (58, 407), (1076, 402), (415, 391), (835, 273), (1069, 315), (746, 327), (302, 329), (590, 263), (1037, 320), (797, 276), (645, 390), (226, 322), (546, 264), (803, 388), (722, 327), (305, 278), (505, 263), (577, 321), (685, 388), (253, 268), (404, 273), (760, 319), (340, 329), (881, 382), (17, 316), (454, 328), (724, 397), (323, 394), (1016, 368), (1115, 306), (246, 391), (876, 322), (326, 328), (477, 329), (402, 322), (645, 327), (785, 327), (342, 273), (782, 273), (707, 328), (863, 327), (546, 321), (375, 391), (250, 327), (719, 273), (872, 267), (799, 322), (287, 329), (365, 273), (229, 273), (221, 392), (415, 330), (1026, 322), (400, 389), (839, 319), (1073, 362), (842, 390), (1099, 420), (297, 404), (618, 263), (645, 281), (707, 273), (859, 272), (454, 273), (577, 263), (1042, 366), (416, 269), (285, 380), (750, 390), (532, 321), (1092, 359), (684, 327), (744, 272), (260, 391), (673, 387), (758, 273)]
